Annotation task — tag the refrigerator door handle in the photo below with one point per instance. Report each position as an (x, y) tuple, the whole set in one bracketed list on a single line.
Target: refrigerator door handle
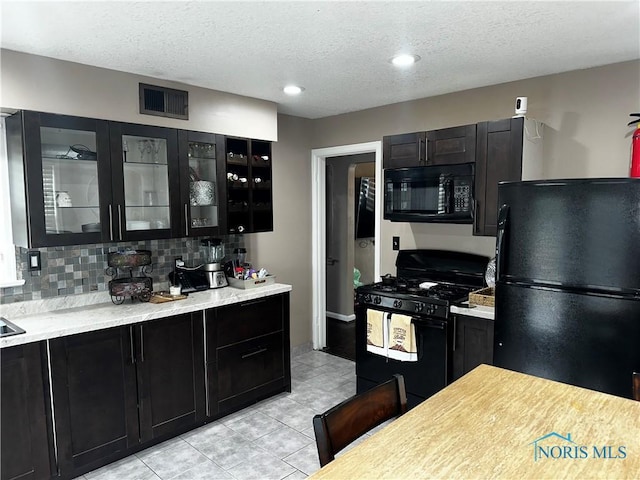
[(503, 216)]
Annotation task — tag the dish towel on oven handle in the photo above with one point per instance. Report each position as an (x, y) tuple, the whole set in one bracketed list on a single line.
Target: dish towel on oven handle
[(376, 332), (402, 339)]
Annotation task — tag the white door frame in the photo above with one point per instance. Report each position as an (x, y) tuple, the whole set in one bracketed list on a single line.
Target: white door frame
[(319, 228)]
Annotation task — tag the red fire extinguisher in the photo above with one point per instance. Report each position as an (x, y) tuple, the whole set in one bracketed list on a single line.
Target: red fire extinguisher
[(634, 170)]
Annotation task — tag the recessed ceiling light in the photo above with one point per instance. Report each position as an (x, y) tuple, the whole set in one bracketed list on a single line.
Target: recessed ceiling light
[(292, 90), (404, 60)]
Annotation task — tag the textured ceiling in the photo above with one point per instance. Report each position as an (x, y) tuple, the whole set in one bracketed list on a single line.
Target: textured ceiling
[(338, 51)]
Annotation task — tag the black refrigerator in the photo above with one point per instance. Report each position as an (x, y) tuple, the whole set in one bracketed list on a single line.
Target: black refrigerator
[(568, 281)]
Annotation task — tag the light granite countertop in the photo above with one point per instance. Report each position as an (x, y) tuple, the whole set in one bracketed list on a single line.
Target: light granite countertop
[(53, 318), (474, 311)]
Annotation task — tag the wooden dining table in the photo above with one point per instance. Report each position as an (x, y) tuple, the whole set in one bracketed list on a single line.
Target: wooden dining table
[(496, 423)]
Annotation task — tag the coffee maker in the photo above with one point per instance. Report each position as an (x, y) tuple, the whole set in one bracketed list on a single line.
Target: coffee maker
[(213, 253)]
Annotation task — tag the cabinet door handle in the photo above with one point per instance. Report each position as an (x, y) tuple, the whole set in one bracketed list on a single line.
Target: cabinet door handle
[(131, 345), (455, 329), (110, 223), (476, 218), (420, 156), (255, 352), (120, 221), (141, 343), (186, 219)]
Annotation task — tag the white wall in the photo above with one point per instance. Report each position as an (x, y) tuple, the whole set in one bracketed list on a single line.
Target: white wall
[(31, 82)]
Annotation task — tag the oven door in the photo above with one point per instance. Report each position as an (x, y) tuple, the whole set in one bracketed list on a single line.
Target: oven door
[(424, 377)]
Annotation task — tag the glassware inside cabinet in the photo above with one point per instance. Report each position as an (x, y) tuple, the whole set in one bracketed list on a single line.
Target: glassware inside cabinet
[(146, 183), (70, 181), (203, 195)]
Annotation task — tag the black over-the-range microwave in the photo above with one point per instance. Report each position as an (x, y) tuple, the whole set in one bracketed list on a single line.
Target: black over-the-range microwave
[(436, 193)]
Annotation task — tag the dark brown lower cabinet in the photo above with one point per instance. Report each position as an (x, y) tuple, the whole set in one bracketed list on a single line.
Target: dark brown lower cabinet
[(170, 364), (25, 448), (248, 353), (121, 389), (95, 398), (473, 344)]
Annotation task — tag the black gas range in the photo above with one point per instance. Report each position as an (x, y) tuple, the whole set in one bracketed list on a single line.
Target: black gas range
[(426, 284), (414, 296)]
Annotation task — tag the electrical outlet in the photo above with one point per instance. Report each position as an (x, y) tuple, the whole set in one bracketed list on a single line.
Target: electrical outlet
[(178, 262), (35, 264), (396, 243)]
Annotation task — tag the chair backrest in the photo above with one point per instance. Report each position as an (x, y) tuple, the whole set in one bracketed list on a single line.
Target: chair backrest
[(339, 426), (636, 385)]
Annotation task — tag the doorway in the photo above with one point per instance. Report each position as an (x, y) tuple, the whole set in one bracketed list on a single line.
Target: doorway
[(350, 226), (319, 227)]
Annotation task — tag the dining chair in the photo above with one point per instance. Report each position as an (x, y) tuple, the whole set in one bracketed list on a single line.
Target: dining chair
[(636, 385), (340, 425)]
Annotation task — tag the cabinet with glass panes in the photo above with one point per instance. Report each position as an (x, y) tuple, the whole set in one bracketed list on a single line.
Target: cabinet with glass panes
[(60, 179), (145, 182), (80, 181), (202, 184)]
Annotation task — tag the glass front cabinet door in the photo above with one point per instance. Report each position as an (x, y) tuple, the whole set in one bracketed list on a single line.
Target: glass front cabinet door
[(145, 177), (201, 184), (60, 179)]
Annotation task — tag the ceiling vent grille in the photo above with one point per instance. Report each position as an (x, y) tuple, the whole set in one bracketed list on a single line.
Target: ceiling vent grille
[(164, 102)]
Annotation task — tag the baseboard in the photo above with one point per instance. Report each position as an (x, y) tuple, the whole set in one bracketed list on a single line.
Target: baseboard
[(341, 317)]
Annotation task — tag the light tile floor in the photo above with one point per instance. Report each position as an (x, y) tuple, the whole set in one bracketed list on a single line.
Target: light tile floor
[(270, 440)]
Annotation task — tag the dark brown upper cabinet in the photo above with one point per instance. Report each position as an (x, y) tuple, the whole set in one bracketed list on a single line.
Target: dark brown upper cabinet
[(404, 150), (249, 185), (451, 145), (203, 189), (145, 180), (504, 152), (81, 181), (60, 179)]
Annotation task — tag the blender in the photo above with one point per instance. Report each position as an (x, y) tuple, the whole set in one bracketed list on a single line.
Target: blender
[(213, 253)]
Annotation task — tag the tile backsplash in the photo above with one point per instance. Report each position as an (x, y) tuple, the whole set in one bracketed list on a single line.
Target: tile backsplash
[(81, 268)]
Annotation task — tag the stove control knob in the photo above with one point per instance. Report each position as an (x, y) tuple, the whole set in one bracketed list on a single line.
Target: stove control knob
[(377, 300), (397, 303), (419, 307), (367, 298)]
